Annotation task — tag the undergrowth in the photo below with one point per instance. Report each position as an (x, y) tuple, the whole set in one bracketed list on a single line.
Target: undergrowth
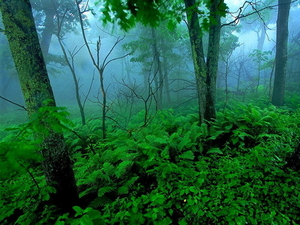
[(173, 171)]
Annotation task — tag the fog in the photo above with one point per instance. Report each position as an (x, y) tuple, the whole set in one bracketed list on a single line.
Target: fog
[(127, 72)]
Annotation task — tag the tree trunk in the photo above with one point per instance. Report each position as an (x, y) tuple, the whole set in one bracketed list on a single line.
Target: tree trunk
[(157, 70), (261, 37), (75, 79), (26, 51), (206, 73), (195, 34), (166, 82), (50, 8), (213, 59), (281, 52)]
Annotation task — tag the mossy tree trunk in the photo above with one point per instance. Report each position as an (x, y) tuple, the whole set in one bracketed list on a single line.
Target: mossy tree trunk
[(282, 33), (213, 59), (205, 67), (195, 34), (26, 51)]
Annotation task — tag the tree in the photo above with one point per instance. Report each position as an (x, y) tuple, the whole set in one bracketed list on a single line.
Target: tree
[(158, 63), (281, 52), (229, 42), (24, 45), (71, 65), (99, 66), (259, 18), (47, 12), (152, 12), (205, 67)]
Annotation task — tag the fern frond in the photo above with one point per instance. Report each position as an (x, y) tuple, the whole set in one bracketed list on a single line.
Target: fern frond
[(104, 190), (122, 168)]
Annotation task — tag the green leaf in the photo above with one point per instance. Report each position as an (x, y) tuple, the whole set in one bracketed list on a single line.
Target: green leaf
[(154, 216), (79, 211), (122, 168), (86, 220), (122, 190), (187, 155), (104, 190), (240, 220), (214, 151), (165, 153), (154, 139), (92, 213), (183, 222), (184, 142), (135, 209)]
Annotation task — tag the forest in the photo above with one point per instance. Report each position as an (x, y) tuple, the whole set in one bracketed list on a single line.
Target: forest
[(153, 112)]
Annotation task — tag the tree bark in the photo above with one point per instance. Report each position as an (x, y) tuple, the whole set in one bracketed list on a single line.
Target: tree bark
[(26, 51), (206, 72), (281, 52), (195, 34), (213, 59)]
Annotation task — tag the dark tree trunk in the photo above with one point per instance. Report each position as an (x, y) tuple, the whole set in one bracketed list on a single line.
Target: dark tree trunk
[(281, 52), (26, 51), (213, 59)]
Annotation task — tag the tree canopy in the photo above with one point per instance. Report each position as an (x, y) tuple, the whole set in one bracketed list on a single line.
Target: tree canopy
[(149, 12)]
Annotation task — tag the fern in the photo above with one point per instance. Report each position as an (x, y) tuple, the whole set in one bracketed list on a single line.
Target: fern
[(104, 190), (122, 168)]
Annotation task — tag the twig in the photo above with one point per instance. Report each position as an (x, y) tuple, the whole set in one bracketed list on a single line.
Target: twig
[(5, 99)]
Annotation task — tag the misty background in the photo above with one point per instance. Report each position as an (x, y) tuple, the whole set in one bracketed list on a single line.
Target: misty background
[(246, 58)]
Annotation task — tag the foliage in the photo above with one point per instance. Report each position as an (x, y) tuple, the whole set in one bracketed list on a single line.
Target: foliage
[(62, 10), (292, 101), (127, 13), (23, 187), (173, 171), (262, 58)]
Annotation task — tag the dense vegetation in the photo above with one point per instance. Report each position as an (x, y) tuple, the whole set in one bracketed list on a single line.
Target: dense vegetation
[(238, 169), (181, 132)]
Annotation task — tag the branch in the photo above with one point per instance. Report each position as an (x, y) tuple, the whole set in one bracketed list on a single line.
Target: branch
[(111, 50), (240, 10), (121, 57), (5, 99)]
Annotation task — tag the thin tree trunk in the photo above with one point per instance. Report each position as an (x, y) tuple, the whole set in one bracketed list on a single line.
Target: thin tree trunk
[(165, 72), (26, 51), (76, 83), (281, 52), (261, 37), (158, 70), (166, 78)]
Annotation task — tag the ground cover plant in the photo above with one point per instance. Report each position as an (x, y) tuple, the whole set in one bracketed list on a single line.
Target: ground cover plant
[(172, 171)]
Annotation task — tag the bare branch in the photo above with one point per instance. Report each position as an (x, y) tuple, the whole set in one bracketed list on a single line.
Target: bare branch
[(5, 99)]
